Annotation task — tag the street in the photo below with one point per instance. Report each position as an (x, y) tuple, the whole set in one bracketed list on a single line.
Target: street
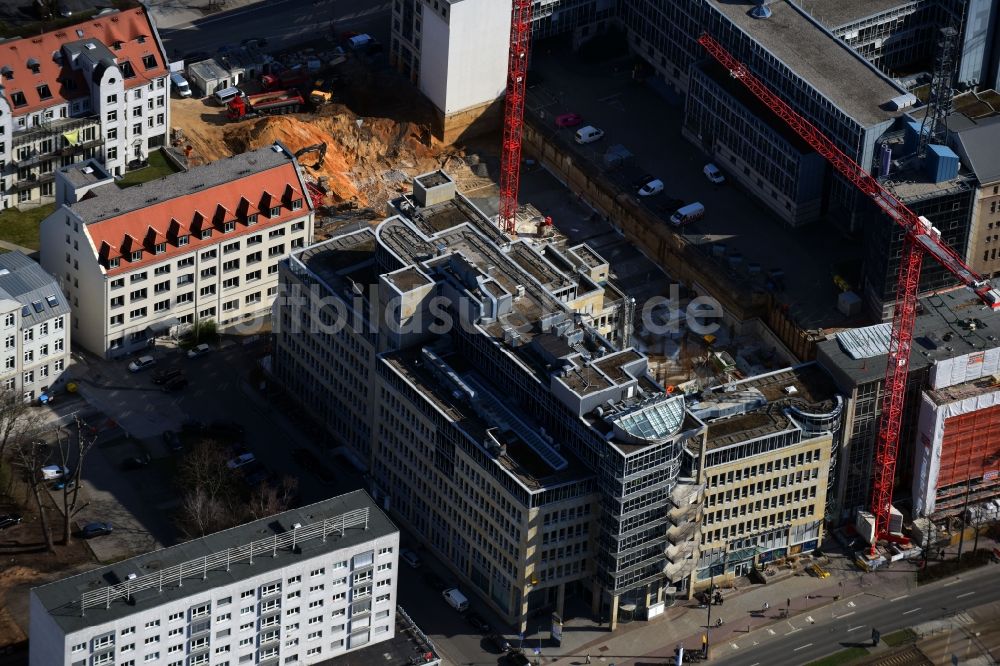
[(850, 622), (282, 22)]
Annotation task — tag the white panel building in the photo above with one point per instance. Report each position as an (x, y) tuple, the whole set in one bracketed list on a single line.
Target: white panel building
[(95, 89), (298, 587), (153, 259)]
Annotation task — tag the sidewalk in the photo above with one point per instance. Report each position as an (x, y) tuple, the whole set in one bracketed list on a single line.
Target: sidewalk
[(684, 624), (178, 14)]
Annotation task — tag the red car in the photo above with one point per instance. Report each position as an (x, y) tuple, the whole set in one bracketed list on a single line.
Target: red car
[(569, 120)]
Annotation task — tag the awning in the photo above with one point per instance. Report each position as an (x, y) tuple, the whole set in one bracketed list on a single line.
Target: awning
[(72, 137), (163, 327)]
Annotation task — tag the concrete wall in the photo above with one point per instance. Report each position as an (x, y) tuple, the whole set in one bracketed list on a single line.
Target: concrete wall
[(478, 44)]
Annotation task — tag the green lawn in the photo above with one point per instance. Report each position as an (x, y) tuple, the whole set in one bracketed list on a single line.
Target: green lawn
[(842, 657), (158, 167), (21, 226), (901, 637)]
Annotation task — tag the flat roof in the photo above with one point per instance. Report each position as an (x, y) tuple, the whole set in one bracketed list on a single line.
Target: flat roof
[(977, 387), (941, 331), (62, 598), (819, 58), (837, 13)]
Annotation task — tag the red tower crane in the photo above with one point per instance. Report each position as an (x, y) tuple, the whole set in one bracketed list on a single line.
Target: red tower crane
[(513, 114), (920, 238)]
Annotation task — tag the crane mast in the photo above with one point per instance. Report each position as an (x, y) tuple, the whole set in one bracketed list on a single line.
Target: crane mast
[(513, 116), (920, 237)]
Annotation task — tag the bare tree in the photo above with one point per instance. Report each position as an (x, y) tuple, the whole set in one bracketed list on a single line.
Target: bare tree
[(30, 455), (73, 448), (267, 500), (210, 499), (16, 418)]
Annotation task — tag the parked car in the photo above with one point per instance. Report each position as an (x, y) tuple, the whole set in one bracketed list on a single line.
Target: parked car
[(175, 384), (199, 350), (172, 441), (454, 598), (164, 376), (240, 461), (713, 174), (478, 623), (410, 558), (9, 520), (498, 643), (96, 529), (569, 120), (588, 134), (64, 484), (51, 472), (141, 363), (134, 462), (651, 188)]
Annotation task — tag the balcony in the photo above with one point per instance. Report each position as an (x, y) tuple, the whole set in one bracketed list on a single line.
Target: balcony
[(686, 492), (33, 181), (678, 534), (681, 551), (682, 514), (681, 569), (37, 157)]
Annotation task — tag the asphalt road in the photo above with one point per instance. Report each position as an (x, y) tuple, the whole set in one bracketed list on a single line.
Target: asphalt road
[(282, 22), (850, 622)]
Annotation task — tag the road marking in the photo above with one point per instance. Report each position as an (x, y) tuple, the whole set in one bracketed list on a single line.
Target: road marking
[(899, 597), (912, 610), (756, 663), (789, 633), (954, 582), (771, 631), (735, 646), (967, 594), (850, 604), (810, 620), (838, 617), (802, 647), (860, 626)]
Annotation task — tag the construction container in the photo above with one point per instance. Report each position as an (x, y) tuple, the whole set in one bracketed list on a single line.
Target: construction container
[(910, 135), (941, 163), (895, 521), (849, 304)]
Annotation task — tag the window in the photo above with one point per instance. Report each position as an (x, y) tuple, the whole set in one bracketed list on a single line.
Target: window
[(185, 262), (251, 219), (161, 287), (297, 204), (276, 233), (114, 262), (161, 306), (201, 611), (276, 251), (44, 92), (294, 580), (137, 314), (117, 302), (209, 254), (229, 248), (230, 283), (252, 276), (112, 153), (254, 240), (149, 62), (182, 240), (208, 291), (231, 265), (128, 648), (136, 255), (314, 635), (299, 226), (162, 270), (117, 320), (206, 233), (252, 298), (208, 272), (174, 617), (112, 99), (118, 283), (127, 631), (139, 277), (186, 297), (9, 320), (207, 312), (224, 617), (137, 295), (229, 226), (29, 334), (79, 647), (229, 306)]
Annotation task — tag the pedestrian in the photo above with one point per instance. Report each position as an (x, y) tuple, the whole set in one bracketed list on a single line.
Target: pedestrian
[(588, 659), (788, 603)]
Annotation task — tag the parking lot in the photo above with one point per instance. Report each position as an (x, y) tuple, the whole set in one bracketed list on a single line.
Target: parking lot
[(649, 126)]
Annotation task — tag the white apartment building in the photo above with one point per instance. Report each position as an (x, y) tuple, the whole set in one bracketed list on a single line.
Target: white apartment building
[(150, 260), (299, 587), (95, 89), (455, 52), (34, 326)]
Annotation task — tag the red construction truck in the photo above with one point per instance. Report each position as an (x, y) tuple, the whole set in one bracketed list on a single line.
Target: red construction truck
[(294, 77), (278, 101)]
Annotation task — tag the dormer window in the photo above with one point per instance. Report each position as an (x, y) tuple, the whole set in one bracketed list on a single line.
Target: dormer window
[(206, 233), (251, 219), (114, 262), (136, 255), (275, 211), (297, 204), (44, 92), (149, 61), (160, 248), (127, 70), (17, 98), (182, 240), (229, 226), (141, 39), (118, 45), (79, 33), (34, 66), (8, 72)]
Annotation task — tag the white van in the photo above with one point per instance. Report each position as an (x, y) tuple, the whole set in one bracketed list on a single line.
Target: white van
[(687, 214), (456, 599), (223, 96), (180, 84), (588, 134)]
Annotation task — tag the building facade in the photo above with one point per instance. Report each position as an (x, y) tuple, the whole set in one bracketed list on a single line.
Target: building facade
[(975, 145), (200, 245), (298, 587), (98, 89), (949, 325), (769, 462), (36, 331), (496, 421)]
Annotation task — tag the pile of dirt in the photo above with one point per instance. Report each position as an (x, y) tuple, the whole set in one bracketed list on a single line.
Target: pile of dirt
[(361, 153)]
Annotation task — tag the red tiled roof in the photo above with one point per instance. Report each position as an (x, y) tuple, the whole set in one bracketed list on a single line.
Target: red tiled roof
[(182, 215), (124, 28)]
